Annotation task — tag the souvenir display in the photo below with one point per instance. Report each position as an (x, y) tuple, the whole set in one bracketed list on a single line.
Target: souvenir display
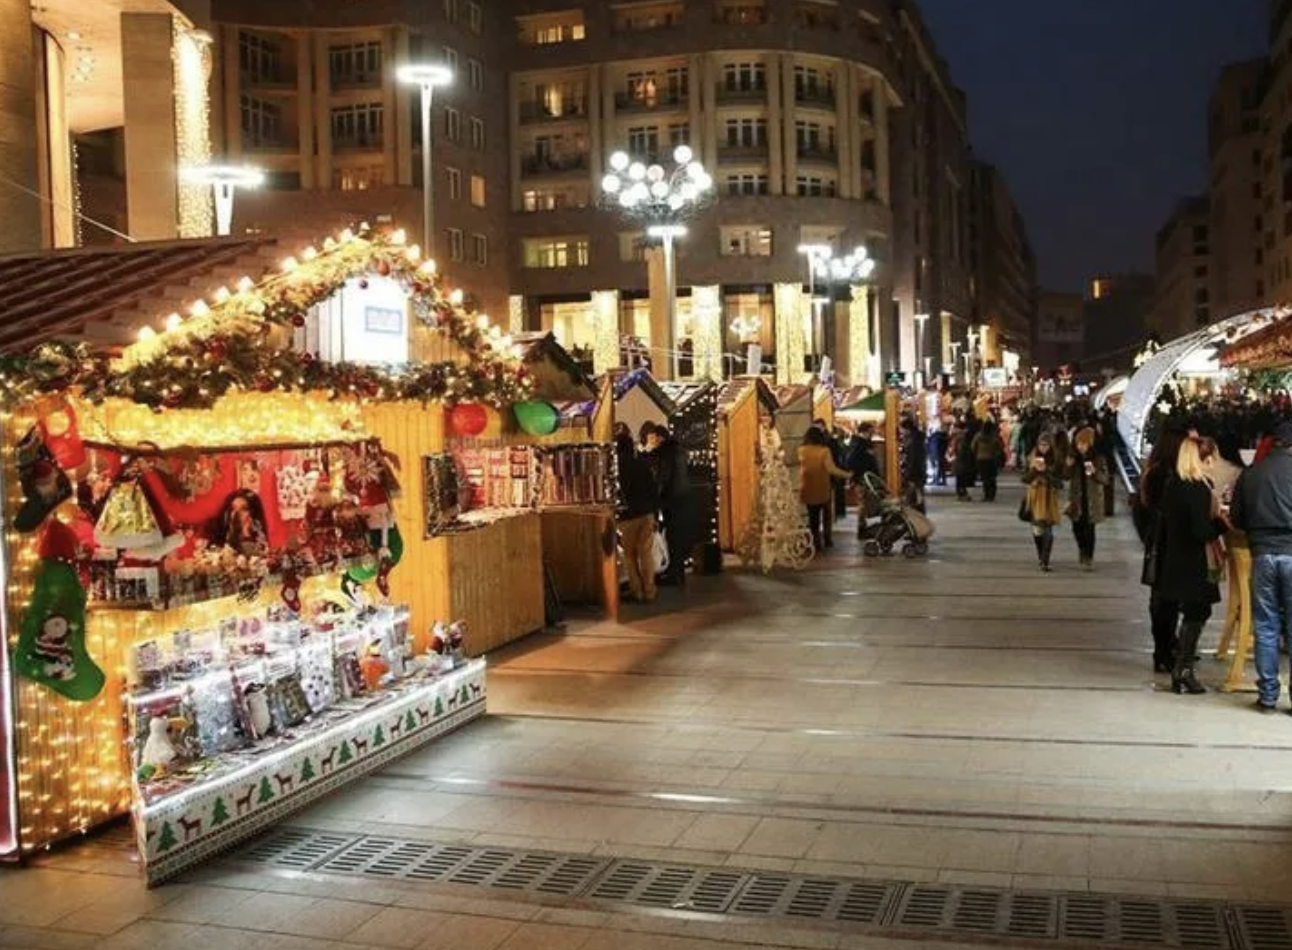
[(577, 475), (440, 492)]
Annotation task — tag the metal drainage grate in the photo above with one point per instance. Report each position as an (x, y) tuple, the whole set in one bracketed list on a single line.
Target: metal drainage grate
[(651, 885), (945, 910)]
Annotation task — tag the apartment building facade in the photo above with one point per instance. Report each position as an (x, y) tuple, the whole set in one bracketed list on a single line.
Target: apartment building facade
[(1004, 272), (801, 110), (1276, 157), (1182, 299), (1234, 145), (321, 110)]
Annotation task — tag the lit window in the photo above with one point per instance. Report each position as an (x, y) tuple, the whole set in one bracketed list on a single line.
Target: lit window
[(357, 179), (455, 183), (747, 241), (455, 243), (478, 191), (556, 252), (479, 249)]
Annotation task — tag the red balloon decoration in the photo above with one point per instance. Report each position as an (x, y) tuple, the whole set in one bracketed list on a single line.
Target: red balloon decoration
[(468, 418)]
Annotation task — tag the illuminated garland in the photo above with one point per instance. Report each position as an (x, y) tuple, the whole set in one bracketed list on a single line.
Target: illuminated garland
[(227, 345)]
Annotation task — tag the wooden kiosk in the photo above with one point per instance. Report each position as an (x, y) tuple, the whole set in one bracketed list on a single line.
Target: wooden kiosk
[(744, 403), (798, 406), (694, 422), (242, 549)]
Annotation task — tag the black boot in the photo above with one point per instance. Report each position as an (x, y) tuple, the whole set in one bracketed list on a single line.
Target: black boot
[(1040, 549), (1047, 548), (1183, 678)]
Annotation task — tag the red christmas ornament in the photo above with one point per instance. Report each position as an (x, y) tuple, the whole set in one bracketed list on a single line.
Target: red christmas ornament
[(216, 350), (307, 358), (292, 592), (298, 320), (265, 384), (468, 418)]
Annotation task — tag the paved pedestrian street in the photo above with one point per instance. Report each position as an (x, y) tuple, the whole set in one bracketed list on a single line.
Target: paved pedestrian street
[(867, 754)]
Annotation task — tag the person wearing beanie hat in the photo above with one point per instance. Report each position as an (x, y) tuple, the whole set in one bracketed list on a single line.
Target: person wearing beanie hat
[(1262, 507)]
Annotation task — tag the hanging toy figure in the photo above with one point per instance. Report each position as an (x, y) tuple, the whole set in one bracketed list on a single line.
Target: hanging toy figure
[(51, 645), (383, 577), (292, 592), (45, 486)]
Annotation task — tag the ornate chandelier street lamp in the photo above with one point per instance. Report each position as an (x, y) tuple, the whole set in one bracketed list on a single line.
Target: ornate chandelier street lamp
[(661, 200), (833, 271)]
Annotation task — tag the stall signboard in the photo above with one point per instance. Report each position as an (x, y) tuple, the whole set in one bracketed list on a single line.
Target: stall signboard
[(895, 379), (995, 377)]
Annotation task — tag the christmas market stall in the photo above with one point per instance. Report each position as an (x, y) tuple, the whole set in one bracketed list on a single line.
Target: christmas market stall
[(745, 403), (798, 406), (237, 565), (639, 399), (694, 423)]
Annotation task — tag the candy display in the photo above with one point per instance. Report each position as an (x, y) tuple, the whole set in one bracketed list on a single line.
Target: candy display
[(577, 475)]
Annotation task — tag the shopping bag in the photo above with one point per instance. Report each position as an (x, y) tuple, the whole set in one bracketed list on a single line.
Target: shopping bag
[(660, 544)]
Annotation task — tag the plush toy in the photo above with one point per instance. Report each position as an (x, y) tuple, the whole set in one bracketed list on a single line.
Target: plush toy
[(158, 752)]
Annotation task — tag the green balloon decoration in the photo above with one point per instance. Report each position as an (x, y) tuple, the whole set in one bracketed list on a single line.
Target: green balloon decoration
[(51, 645), (537, 418)]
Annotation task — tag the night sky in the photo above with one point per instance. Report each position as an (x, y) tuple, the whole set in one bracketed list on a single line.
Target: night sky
[(1096, 112)]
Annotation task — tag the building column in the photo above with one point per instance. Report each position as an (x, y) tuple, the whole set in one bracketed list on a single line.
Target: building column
[(846, 132), (396, 118), (662, 342), (604, 311), (54, 147), (788, 131), (775, 119), (20, 212), (791, 342), (706, 318), (599, 149), (148, 87), (709, 140), (305, 111), (322, 117), (883, 187)]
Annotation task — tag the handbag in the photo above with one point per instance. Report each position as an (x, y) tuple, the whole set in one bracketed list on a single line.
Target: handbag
[(1150, 570), (1024, 510), (1217, 559)]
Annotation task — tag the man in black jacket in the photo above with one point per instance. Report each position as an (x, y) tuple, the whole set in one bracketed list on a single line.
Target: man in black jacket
[(1262, 507), (677, 501), (638, 506)]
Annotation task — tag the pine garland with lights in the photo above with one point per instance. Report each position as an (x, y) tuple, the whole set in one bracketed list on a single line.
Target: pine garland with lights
[(227, 345)]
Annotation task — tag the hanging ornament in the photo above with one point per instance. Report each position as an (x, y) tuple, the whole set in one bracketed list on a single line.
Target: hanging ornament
[(537, 418), (51, 644), (45, 486), (63, 437), (468, 418), (292, 592)]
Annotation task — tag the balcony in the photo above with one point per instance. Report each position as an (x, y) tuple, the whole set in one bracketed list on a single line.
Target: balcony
[(742, 152), (570, 110), (633, 102), (281, 79), (815, 96), (738, 14), (536, 165), (356, 80), (742, 94), (818, 152)]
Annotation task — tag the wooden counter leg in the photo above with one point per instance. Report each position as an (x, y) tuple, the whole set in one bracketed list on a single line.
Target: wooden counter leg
[(1240, 589)]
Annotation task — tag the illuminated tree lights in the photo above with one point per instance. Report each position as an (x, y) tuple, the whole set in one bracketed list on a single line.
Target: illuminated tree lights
[(229, 345)]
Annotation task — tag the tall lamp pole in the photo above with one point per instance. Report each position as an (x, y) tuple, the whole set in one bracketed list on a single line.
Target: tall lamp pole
[(224, 180), (662, 199), (426, 77), (818, 256), (920, 320)]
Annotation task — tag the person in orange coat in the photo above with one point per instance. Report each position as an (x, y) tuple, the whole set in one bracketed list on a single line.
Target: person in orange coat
[(816, 468)]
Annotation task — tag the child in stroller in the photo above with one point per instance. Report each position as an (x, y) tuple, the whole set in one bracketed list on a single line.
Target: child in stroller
[(892, 522)]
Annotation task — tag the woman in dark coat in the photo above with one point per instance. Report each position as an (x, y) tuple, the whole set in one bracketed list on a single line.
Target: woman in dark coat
[(1189, 522), (1164, 615)]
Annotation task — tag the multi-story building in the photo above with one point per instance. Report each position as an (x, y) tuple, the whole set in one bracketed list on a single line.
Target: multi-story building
[(1115, 320), (1237, 277), (112, 93), (1276, 158), (1060, 331), (1182, 301), (1004, 272), (309, 93), (807, 113)]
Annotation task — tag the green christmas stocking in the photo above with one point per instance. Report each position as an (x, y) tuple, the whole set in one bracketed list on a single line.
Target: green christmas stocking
[(51, 645)]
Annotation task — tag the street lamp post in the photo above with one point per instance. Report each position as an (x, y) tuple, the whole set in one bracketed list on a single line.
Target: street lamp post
[(426, 77), (662, 200), (920, 372), (832, 269), (224, 180), (971, 353), (817, 256), (955, 357)]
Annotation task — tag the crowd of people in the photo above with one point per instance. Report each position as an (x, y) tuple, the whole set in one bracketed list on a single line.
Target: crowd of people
[(1197, 496), (654, 492)]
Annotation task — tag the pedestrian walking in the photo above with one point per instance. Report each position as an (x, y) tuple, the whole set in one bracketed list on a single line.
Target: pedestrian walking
[(915, 464), (638, 511), (989, 457), (1040, 508), (677, 501), (1087, 474), (1164, 615), (816, 469), (1262, 507), (1190, 523)]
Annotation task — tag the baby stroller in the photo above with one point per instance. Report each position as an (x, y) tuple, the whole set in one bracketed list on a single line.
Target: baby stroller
[(894, 522)]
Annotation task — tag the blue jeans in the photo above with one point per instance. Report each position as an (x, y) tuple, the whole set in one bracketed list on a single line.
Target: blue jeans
[(1271, 615)]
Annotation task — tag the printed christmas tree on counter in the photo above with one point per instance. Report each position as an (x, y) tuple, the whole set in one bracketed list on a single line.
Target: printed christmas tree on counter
[(266, 792), (307, 770), (166, 839), (379, 737), (219, 812), (346, 754), (465, 696), (439, 707), (409, 723)]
